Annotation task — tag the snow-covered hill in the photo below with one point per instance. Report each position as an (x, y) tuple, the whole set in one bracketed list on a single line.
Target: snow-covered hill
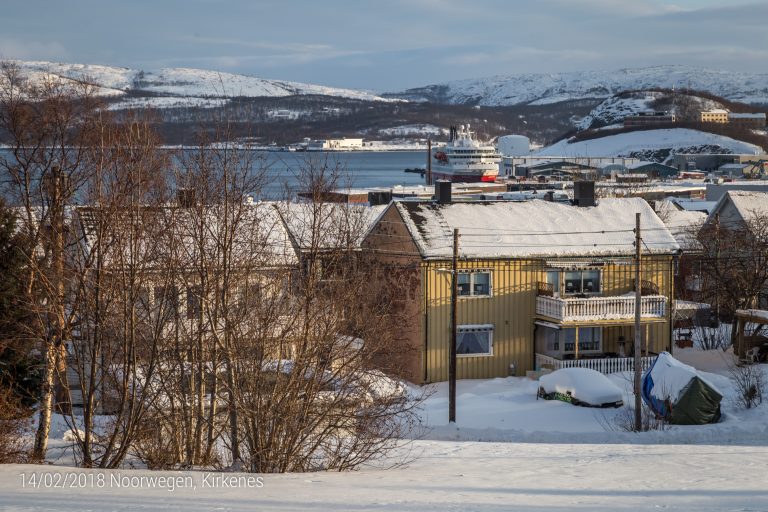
[(647, 143), (540, 89), (187, 86), (617, 107)]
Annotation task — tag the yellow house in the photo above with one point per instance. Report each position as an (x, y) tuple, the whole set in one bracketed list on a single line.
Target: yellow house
[(540, 284), (717, 115)]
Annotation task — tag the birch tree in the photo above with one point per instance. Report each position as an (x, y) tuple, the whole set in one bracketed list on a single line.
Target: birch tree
[(48, 124)]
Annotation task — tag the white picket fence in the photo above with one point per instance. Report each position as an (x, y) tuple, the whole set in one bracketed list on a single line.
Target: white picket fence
[(603, 365), (600, 307)]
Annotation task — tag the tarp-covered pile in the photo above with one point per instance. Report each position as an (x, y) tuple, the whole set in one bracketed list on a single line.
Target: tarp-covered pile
[(679, 394)]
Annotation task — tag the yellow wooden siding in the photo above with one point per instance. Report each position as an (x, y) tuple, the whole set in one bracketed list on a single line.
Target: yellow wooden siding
[(512, 311)]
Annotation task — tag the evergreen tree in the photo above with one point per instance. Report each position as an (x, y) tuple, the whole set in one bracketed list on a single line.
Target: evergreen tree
[(19, 367)]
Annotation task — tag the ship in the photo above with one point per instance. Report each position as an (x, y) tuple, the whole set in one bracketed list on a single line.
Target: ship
[(465, 159)]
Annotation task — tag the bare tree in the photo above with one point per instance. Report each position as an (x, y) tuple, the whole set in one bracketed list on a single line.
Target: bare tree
[(734, 264), (118, 333), (48, 125)]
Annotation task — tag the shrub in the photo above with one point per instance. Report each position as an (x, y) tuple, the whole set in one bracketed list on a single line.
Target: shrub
[(749, 380)]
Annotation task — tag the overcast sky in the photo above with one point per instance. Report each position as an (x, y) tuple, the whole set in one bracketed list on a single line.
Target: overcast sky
[(388, 45)]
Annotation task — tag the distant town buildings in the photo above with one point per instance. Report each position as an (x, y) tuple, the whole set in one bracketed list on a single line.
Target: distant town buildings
[(650, 118), (335, 144)]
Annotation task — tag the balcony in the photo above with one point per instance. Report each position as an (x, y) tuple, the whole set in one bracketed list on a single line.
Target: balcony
[(600, 308), (603, 365)]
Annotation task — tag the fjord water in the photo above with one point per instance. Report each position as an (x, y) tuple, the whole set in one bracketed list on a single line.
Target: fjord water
[(361, 169)]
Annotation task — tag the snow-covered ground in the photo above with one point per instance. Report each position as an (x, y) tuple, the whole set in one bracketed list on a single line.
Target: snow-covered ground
[(624, 143), (445, 476), (554, 457)]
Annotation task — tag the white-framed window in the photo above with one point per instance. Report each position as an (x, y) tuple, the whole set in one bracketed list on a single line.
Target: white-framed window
[(581, 281), (474, 340), (590, 339), (693, 283), (474, 283)]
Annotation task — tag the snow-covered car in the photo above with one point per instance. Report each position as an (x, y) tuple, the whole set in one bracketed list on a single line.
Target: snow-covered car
[(580, 386)]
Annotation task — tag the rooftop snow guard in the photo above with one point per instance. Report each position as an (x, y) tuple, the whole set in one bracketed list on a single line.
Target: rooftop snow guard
[(677, 393)]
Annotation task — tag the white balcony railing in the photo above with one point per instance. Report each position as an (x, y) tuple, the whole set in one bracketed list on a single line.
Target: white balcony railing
[(600, 308), (604, 365)]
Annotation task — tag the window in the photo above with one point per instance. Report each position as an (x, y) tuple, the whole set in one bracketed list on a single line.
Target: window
[(474, 340), (474, 284), (553, 278), (693, 283), (589, 339), (582, 281), (166, 301), (193, 302)]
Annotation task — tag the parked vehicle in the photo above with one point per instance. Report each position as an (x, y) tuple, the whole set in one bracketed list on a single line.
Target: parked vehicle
[(580, 386)]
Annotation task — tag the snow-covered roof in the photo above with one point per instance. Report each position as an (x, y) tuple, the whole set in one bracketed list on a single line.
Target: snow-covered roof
[(534, 229), (681, 223), (327, 225), (260, 238), (747, 205), (694, 205), (758, 314)]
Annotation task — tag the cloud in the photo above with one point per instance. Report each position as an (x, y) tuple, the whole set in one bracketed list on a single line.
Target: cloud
[(32, 50), (393, 44)]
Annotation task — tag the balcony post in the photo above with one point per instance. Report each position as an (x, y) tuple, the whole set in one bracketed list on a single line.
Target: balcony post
[(576, 346)]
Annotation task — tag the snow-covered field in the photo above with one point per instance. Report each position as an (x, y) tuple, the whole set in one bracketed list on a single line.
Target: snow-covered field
[(507, 451), (625, 143)]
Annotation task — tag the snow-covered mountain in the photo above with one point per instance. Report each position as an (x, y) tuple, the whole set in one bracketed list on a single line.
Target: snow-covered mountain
[(541, 89), (180, 87)]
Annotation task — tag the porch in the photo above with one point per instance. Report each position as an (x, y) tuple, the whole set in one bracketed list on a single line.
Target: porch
[(600, 363), (596, 308)]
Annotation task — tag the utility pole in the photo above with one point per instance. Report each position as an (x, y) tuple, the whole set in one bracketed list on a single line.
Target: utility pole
[(429, 162), (638, 297), (454, 331)]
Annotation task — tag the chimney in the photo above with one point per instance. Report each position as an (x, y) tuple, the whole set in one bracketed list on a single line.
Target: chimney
[(443, 191), (379, 197), (185, 197), (583, 193)]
